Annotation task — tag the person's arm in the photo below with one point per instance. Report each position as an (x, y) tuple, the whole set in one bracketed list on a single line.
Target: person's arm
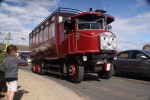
[(22, 62)]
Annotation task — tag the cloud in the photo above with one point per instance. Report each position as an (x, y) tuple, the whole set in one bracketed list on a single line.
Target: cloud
[(133, 25), (19, 17), (139, 3), (128, 29)]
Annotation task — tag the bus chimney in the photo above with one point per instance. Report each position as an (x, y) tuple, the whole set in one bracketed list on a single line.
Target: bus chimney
[(90, 9)]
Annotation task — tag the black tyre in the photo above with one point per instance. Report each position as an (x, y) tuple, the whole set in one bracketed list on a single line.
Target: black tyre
[(40, 71), (107, 74), (75, 73)]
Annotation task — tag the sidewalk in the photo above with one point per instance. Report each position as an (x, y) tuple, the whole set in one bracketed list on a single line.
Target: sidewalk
[(35, 87)]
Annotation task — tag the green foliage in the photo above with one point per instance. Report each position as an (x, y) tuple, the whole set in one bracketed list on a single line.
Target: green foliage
[(3, 54)]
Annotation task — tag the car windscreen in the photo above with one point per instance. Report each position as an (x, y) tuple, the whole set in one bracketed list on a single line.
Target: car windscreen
[(147, 52), (25, 54)]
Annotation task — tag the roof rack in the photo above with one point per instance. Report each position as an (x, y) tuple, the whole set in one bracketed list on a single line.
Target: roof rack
[(62, 10)]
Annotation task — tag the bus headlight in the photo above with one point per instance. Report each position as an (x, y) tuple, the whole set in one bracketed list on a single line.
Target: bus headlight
[(84, 58)]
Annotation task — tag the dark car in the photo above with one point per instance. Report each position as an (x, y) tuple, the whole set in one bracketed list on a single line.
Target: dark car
[(25, 55), (134, 61)]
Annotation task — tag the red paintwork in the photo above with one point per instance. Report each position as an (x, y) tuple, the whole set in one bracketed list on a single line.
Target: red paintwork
[(89, 41)]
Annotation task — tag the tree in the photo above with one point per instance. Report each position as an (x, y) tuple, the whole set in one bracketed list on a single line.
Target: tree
[(3, 54)]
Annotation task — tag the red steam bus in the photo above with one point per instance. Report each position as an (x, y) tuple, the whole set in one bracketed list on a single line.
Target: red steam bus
[(71, 42)]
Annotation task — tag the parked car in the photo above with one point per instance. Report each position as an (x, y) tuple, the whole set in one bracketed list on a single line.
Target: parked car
[(25, 55), (134, 61)]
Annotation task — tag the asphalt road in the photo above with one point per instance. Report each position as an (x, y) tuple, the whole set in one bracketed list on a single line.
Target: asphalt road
[(123, 87)]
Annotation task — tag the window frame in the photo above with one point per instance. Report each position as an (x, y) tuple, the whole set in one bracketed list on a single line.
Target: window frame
[(101, 25), (124, 57), (139, 52)]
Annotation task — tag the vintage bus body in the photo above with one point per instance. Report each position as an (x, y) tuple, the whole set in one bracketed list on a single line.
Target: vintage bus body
[(72, 42)]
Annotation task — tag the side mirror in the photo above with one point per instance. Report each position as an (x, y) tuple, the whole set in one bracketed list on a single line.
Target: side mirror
[(115, 58), (109, 27), (143, 57), (68, 20)]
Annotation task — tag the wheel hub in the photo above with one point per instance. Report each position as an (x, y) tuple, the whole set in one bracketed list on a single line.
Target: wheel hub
[(39, 69), (33, 67), (72, 70)]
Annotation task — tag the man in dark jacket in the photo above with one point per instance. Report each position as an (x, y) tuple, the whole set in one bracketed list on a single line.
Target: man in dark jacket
[(10, 64)]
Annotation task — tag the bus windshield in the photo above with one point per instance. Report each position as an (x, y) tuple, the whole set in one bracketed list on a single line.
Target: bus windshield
[(90, 24)]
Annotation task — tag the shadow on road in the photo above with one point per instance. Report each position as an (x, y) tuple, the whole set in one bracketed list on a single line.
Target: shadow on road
[(90, 77), (19, 94), (134, 76), (55, 76)]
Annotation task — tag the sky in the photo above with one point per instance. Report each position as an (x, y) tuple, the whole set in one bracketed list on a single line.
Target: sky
[(131, 25)]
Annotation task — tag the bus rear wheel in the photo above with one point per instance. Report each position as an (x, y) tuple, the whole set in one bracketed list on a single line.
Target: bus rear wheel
[(34, 68), (76, 73), (40, 71)]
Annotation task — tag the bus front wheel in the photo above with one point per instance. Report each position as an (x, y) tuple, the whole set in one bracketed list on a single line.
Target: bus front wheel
[(75, 73)]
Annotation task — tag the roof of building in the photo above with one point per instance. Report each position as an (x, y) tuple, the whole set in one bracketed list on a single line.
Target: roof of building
[(20, 47)]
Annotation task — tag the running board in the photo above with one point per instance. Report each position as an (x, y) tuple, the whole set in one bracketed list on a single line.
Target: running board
[(49, 65), (57, 73)]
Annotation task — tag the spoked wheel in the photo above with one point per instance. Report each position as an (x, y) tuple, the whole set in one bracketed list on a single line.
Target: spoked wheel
[(34, 68), (76, 73), (39, 69)]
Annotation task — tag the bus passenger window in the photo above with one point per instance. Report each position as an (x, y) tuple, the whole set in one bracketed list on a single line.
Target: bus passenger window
[(30, 40), (37, 38), (46, 33), (33, 39), (41, 36), (52, 30)]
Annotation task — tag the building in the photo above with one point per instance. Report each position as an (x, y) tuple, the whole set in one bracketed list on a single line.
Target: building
[(20, 47)]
